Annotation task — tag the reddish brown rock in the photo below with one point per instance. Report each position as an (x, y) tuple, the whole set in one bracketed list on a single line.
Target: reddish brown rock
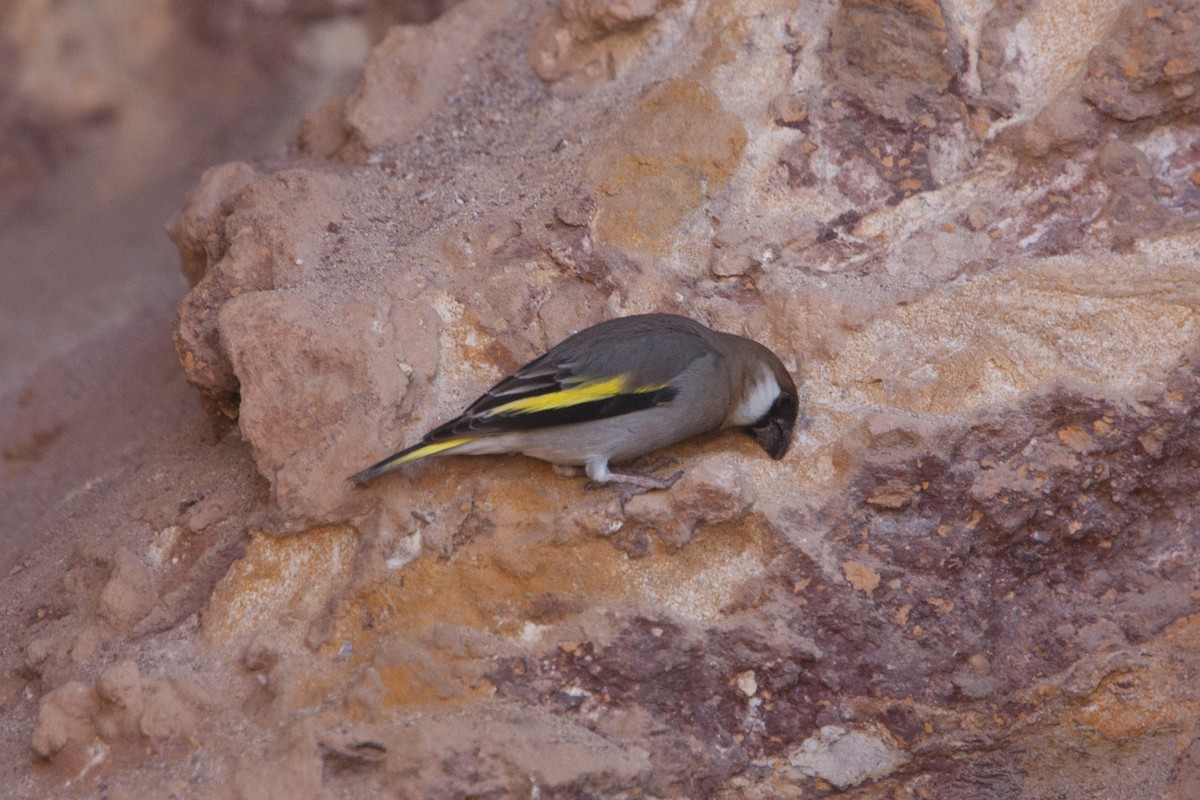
[(1150, 66), (894, 58)]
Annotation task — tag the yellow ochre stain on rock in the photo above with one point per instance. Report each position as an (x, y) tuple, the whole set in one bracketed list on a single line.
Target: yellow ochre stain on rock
[(501, 582), (676, 150), (290, 577), (530, 560)]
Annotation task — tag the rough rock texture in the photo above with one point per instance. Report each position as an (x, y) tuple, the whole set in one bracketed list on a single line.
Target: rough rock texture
[(971, 230)]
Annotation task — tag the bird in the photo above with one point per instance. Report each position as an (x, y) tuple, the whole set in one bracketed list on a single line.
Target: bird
[(619, 390)]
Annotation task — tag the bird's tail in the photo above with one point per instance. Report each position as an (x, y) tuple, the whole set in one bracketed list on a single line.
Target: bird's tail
[(417, 451)]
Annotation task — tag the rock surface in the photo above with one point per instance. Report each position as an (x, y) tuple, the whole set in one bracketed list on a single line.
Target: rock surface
[(972, 230)]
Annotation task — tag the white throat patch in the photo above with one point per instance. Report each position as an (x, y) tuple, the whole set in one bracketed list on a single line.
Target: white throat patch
[(758, 401)]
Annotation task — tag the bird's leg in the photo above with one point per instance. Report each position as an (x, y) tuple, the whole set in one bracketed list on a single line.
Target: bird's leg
[(636, 482), (643, 481), (639, 483)]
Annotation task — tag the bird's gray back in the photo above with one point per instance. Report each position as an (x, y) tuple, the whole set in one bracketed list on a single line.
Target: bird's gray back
[(653, 349)]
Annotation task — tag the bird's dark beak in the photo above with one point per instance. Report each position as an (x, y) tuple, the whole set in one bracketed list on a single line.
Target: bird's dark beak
[(773, 438), (774, 430)]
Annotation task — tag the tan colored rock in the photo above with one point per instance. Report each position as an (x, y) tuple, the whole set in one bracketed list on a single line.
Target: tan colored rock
[(167, 713), (514, 749), (982, 276), (196, 230), (323, 130), (365, 697), (129, 593), (409, 76), (121, 687), (288, 578), (281, 348), (710, 492), (291, 770), (64, 717), (262, 242), (588, 41), (662, 166), (847, 758)]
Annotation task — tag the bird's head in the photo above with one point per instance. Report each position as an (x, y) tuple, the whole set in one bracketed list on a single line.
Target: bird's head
[(768, 406), (773, 430)]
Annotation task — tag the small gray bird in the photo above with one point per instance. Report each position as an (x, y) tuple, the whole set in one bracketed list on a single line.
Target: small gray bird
[(619, 390)]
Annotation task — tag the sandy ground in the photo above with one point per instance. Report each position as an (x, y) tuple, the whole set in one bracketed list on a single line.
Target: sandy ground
[(91, 283), (90, 386)]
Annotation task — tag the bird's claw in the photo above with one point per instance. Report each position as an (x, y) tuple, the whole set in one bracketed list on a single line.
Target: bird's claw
[(636, 483)]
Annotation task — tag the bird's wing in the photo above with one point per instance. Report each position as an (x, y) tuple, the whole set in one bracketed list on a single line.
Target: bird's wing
[(635, 369), (544, 394)]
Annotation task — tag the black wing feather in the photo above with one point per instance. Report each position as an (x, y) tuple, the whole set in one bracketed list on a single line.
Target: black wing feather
[(590, 411)]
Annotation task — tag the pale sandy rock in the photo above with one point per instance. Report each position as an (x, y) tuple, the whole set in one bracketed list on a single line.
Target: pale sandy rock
[(196, 229), (323, 130), (167, 712), (710, 492), (661, 165), (847, 758), (410, 74), (37, 651), (88, 640), (1052, 47), (121, 686), (129, 593), (291, 770), (364, 697), (588, 41), (64, 717), (515, 751), (279, 347), (271, 239)]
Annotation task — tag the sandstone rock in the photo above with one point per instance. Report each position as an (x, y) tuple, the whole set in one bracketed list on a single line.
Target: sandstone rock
[(586, 41), (1149, 67), (64, 717), (846, 758), (279, 346), (167, 713), (260, 244), (710, 492), (121, 687), (196, 230), (128, 595), (364, 698), (408, 76), (502, 746), (293, 770)]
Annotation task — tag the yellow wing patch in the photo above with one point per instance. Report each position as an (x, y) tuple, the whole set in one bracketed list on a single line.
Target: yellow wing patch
[(585, 392), (430, 450)]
